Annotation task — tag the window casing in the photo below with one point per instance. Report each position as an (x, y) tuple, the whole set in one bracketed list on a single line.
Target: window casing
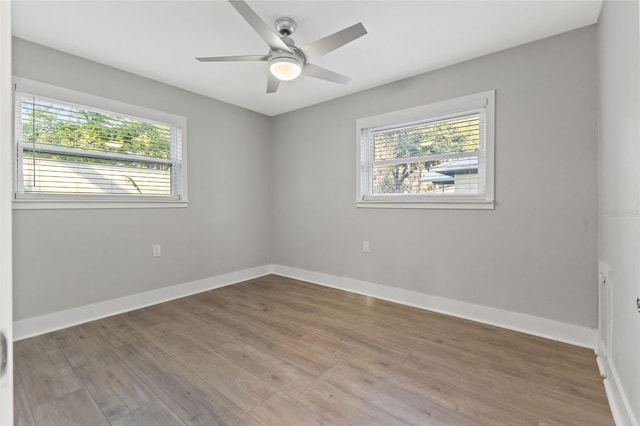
[(75, 150), (439, 155)]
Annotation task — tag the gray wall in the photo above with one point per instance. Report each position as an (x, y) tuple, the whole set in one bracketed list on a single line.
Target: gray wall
[(534, 254), (68, 258), (619, 233), (282, 190)]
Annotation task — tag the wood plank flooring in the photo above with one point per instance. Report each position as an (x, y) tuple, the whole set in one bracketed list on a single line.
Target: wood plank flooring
[(276, 351)]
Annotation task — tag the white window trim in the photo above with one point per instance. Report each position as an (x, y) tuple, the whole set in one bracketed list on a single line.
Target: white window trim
[(485, 101), (50, 201)]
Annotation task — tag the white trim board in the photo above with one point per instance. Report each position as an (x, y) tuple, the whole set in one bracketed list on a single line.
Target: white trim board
[(35, 326), (618, 402), (529, 324)]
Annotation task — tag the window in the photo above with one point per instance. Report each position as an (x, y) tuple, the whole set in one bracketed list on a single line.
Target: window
[(78, 150), (432, 156)]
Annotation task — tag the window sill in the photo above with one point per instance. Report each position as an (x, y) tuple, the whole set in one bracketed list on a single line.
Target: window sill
[(442, 205), (31, 204)]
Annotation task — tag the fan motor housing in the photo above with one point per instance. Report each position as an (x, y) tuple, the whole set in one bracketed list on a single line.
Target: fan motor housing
[(285, 26), (296, 54)]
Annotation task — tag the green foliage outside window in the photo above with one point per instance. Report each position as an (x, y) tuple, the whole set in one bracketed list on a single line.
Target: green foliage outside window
[(445, 137), (74, 127)]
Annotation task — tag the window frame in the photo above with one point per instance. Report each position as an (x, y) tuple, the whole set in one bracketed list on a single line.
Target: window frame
[(483, 102), (22, 200)]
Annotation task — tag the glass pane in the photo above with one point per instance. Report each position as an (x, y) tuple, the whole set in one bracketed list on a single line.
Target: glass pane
[(461, 134), (55, 123), (68, 174), (457, 176)]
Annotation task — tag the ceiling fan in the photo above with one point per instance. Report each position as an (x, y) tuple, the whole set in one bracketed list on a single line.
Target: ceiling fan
[(286, 60)]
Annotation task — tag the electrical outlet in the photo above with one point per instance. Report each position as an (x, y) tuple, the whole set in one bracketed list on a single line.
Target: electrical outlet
[(155, 250), (365, 246)]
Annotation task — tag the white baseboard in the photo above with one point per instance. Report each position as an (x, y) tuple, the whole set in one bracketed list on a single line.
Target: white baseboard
[(35, 326), (556, 330), (537, 326)]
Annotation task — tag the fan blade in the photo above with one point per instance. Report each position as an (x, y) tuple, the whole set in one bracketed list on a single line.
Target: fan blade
[(234, 58), (325, 74), (261, 27), (332, 42), (272, 83)]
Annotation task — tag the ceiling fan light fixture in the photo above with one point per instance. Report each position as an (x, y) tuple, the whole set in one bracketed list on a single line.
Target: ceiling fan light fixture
[(285, 68), (286, 60)]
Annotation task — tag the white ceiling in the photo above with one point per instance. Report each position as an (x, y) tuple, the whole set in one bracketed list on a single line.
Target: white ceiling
[(160, 39)]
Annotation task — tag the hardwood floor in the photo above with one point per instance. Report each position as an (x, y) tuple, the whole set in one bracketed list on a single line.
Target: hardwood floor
[(275, 351)]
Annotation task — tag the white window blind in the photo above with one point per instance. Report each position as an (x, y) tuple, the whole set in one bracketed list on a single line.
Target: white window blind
[(436, 153), (79, 152)]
